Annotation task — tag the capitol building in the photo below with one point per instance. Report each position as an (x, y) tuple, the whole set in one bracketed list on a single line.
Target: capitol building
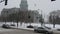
[(27, 15)]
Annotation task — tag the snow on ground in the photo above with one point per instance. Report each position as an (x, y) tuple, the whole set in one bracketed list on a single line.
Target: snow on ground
[(24, 25)]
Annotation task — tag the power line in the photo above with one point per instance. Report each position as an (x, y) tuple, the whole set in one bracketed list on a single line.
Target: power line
[(2, 1)]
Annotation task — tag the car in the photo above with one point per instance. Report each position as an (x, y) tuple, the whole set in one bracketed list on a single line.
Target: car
[(30, 26), (49, 30), (47, 27), (6, 26), (12, 25), (42, 30)]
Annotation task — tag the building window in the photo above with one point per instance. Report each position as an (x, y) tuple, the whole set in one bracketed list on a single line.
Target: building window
[(29, 17), (6, 11)]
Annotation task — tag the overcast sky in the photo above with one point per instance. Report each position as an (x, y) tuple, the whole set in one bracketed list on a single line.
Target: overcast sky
[(45, 5)]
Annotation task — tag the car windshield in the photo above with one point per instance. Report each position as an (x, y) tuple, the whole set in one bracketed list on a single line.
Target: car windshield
[(40, 28), (47, 27)]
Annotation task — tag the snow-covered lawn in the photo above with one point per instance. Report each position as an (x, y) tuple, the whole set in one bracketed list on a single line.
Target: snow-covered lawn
[(24, 25)]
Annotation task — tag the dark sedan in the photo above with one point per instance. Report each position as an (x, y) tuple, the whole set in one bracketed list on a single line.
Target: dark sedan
[(6, 26)]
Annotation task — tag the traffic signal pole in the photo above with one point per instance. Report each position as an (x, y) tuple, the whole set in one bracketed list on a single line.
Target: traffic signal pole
[(52, 0), (6, 2)]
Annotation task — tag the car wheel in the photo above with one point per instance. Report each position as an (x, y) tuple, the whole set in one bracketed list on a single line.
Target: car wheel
[(35, 31), (50, 32), (46, 33)]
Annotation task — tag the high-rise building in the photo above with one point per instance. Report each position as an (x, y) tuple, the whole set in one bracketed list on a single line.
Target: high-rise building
[(24, 5)]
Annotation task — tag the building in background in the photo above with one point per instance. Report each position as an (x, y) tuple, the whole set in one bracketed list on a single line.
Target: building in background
[(26, 15), (55, 17), (24, 5), (7, 11)]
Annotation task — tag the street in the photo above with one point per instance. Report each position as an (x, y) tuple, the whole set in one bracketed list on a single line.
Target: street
[(20, 31), (17, 31)]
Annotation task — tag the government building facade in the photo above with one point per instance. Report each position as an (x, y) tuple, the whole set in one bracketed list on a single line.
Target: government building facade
[(26, 15)]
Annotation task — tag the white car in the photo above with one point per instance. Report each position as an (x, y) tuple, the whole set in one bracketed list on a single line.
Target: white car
[(44, 30), (50, 31)]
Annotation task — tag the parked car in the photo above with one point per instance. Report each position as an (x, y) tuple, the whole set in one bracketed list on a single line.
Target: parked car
[(49, 30), (6, 26), (30, 26), (12, 25), (39, 29), (47, 27), (42, 30)]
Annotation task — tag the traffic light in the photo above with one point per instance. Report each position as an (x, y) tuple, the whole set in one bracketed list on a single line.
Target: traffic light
[(52, 0), (6, 2)]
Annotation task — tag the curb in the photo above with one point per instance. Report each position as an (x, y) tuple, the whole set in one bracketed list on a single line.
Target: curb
[(22, 29)]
